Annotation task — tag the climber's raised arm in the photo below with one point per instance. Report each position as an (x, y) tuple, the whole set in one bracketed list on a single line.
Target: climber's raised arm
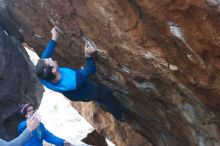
[(49, 50)]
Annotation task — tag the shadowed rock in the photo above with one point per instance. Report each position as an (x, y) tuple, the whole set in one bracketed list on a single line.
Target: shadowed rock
[(95, 139), (17, 84), (161, 59)]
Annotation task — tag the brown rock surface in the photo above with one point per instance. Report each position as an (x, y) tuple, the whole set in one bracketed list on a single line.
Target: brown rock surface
[(95, 139), (161, 58)]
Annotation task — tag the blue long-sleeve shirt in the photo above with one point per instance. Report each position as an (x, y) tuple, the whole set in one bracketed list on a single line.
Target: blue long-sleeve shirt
[(73, 83), (40, 134)]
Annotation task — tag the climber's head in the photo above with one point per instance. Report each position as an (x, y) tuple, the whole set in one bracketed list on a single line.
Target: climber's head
[(47, 69), (27, 110)]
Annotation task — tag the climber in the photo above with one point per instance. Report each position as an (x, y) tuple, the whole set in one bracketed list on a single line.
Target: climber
[(32, 124), (41, 133), (74, 84)]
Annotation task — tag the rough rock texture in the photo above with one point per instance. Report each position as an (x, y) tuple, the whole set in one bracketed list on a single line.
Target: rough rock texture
[(122, 134), (161, 58), (16, 82), (95, 139)]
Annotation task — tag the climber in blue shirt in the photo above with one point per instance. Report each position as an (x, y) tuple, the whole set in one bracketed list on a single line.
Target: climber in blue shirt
[(39, 134), (74, 84), (31, 124)]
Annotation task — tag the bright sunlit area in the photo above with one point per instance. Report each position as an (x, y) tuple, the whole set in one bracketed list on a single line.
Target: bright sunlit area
[(60, 118)]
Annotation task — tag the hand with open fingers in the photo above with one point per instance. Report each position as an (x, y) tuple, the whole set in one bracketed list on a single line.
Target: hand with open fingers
[(89, 50), (33, 121), (55, 33)]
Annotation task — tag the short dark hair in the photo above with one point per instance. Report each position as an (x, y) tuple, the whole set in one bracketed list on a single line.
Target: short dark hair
[(44, 71)]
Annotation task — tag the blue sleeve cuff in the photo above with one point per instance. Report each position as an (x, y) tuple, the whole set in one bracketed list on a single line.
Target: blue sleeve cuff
[(89, 60), (91, 64)]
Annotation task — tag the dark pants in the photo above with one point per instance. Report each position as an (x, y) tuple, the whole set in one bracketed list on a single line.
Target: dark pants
[(100, 94)]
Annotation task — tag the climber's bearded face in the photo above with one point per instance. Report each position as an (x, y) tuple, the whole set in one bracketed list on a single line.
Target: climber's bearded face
[(52, 63)]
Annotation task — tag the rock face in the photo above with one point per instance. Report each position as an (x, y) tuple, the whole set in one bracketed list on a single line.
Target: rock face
[(95, 139), (16, 82), (161, 58)]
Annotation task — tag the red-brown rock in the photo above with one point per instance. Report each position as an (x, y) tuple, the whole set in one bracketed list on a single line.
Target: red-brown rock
[(161, 58)]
